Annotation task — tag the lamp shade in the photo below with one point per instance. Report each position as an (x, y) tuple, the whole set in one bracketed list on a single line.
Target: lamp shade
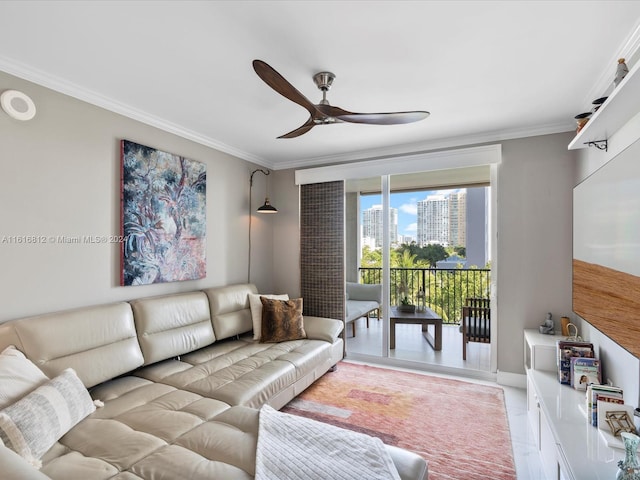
[(267, 207)]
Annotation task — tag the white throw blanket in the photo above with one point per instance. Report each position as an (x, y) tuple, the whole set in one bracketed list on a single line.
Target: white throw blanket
[(296, 448)]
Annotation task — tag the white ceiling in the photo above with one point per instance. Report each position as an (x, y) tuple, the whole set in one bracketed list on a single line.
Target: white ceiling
[(486, 70)]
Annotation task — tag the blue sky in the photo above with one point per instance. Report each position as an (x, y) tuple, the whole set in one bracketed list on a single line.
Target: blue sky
[(407, 205)]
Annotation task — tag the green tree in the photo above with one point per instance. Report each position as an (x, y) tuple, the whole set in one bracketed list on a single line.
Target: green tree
[(403, 258), (412, 247), (461, 251), (433, 253), (371, 258)]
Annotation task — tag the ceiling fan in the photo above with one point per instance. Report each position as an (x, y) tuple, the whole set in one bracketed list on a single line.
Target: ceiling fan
[(323, 113)]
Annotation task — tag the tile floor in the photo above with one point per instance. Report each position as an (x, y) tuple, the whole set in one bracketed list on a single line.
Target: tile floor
[(412, 347), (525, 452), (413, 353)]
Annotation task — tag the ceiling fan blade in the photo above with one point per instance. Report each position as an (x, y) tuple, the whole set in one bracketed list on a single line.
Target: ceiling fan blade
[(391, 118), (282, 86), (308, 125)]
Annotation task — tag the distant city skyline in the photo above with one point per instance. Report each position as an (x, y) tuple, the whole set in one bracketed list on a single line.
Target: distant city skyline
[(407, 205)]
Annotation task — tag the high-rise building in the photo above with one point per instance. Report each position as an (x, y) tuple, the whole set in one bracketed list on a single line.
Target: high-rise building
[(478, 215), (372, 225), (458, 218), (442, 219), (406, 239), (433, 220)]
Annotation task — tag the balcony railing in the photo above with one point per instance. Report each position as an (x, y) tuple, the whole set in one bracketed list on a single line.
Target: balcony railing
[(445, 289)]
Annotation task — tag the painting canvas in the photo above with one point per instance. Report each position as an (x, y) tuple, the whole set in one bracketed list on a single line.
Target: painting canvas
[(163, 216)]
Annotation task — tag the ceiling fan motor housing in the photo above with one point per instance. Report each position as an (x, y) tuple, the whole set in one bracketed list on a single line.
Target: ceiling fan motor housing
[(323, 80)]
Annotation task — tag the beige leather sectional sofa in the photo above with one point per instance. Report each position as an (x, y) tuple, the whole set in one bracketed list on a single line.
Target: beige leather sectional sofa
[(181, 379)]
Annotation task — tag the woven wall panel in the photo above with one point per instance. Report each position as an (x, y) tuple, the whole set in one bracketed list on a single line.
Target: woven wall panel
[(322, 249)]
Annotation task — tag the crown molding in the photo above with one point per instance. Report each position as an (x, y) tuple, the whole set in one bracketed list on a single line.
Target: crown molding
[(76, 91), (425, 147), (630, 51)]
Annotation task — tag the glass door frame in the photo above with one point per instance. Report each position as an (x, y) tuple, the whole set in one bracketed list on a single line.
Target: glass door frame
[(385, 184), (420, 162)]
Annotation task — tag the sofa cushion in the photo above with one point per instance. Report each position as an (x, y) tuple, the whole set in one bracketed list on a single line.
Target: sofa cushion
[(244, 372), (230, 311), (34, 423), (256, 310), (171, 325), (98, 342), (18, 376), (359, 308), (9, 336), (14, 467), (221, 448), (139, 418), (364, 291), (281, 320), (320, 328), (476, 327)]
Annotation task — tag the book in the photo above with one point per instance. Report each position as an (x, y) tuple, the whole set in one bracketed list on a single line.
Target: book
[(585, 371), (566, 350), (603, 393)]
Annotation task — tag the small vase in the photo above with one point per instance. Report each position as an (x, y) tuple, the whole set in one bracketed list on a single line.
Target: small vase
[(629, 468)]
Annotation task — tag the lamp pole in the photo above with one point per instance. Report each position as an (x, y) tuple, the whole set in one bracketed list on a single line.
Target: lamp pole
[(266, 173)]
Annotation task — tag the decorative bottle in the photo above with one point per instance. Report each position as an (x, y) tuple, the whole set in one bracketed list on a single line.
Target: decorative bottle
[(621, 71), (629, 468)]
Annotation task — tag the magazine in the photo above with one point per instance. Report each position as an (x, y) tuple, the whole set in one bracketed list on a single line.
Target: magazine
[(565, 352), (585, 371)]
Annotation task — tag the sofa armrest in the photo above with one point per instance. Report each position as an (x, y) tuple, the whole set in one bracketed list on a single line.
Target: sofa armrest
[(14, 467), (364, 291), (320, 328), (410, 465)]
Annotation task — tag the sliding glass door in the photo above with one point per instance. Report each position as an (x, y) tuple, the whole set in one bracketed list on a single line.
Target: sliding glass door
[(425, 238), (365, 229), (403, 230)]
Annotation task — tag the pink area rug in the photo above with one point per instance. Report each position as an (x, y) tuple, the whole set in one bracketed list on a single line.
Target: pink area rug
[(459, 427)]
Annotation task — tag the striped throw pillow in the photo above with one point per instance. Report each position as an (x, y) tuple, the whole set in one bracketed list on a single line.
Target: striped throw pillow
[(33, 424)]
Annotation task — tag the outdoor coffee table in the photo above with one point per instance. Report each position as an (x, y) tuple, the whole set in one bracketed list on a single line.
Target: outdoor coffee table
[(426, 318)]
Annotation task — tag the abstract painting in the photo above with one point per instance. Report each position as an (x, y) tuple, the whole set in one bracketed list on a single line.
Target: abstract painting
[(163, 216)]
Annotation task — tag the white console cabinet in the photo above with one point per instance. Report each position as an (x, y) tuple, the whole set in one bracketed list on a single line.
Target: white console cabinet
[(570, 448)]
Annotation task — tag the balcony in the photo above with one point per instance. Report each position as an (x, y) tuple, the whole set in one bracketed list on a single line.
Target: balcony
[(445, 292), (445, 289)]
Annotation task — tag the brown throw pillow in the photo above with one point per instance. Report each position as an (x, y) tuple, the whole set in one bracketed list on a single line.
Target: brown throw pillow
[(281, 320)]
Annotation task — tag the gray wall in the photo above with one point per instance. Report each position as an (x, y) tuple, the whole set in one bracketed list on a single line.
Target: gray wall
[(535, 182), (61, 176)]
